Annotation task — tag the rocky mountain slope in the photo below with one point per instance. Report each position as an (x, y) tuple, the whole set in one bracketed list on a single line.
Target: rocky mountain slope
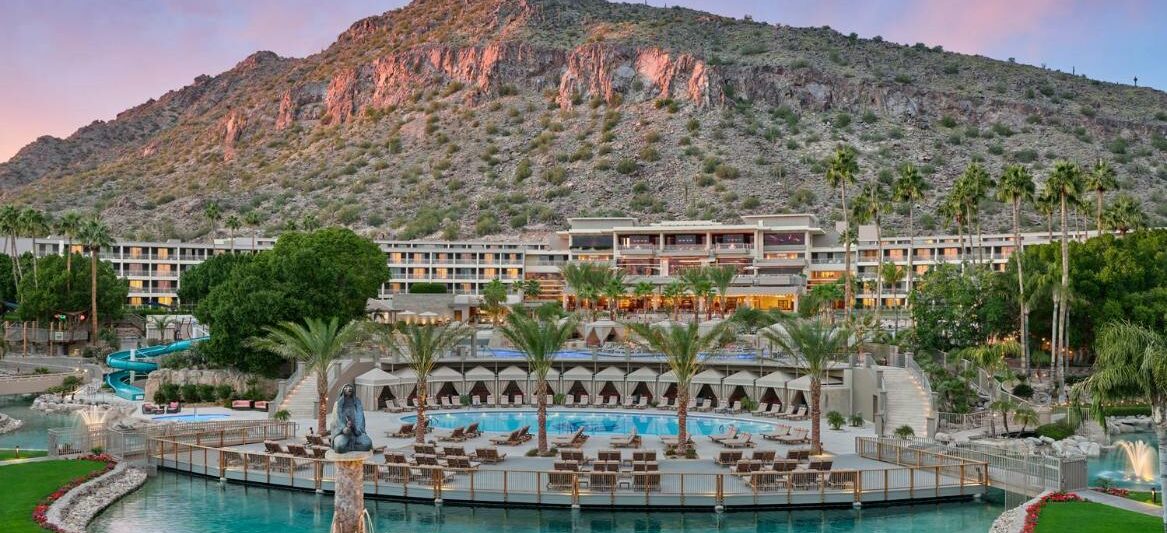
[(497, 117)]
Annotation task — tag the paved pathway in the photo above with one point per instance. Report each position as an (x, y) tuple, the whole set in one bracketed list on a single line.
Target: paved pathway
[(1120, 502)]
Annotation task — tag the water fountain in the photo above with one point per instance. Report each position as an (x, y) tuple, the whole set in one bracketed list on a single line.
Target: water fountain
[(1140, 458)]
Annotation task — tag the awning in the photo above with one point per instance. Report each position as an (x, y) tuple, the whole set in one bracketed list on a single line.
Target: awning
[(377, 378), (479, 373), (743, 377), (774, 379), (444, 374), (709, 376), (610, 374), (578, 373), (511, 372), (803, 383)]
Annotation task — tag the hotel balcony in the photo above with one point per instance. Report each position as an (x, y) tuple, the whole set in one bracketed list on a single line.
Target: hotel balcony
[(733, 249)]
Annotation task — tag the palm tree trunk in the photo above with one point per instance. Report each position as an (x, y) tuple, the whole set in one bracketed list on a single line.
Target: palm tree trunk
[(322, 400), (1065, 296), (68, 265), (36, 280), (420, 427), (878, 268), (848, 291), (682, 417), (1055, 338), (93, 258), (816, 414), (911, 256), (541, 391), (1098, 214), (1021, 286)]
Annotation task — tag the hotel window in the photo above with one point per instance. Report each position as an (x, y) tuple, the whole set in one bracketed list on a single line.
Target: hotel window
[(396, 257), (418, 257), (783, 239), (512, 273), (441, 273), (467, 288), (163, 253), (166, 300), (136, 301), (418, 273), (135, 252), (136, 284), (489, 273)]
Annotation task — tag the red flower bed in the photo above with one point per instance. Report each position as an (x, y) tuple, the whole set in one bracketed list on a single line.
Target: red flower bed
[(40, 512), (1032, 512)]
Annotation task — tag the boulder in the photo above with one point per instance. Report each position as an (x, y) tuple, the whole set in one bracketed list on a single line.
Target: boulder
[(1092, 449)]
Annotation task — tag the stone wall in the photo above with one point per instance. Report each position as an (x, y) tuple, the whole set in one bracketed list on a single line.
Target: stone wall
[(237, 380)]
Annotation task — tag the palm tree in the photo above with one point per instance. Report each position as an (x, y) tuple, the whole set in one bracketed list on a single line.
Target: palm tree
[(494, 297), (1131, 364), (974, 183), (643, 290), (1003, 406), (891, 275), (233, 224), (1026, 416), (10, 226), (94, 235), (213, 214), (909, 188), (1065, 183), (34, 223), (673, 292), (1100, 180), (840, 173), (421, 346), (815, 344), (683, 347), (697, 282), (1124, 215), (539, 340), (1015, 187), (316, 343), (868, 208), (952, 209), (531, 289), (721, 277), (1046, 205), (252, 220), (613, 289), (69, 225), (581, 278), (821, 299)]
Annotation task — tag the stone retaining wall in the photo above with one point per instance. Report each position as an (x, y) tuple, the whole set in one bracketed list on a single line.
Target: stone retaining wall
[(1013, 520), (72, 512)]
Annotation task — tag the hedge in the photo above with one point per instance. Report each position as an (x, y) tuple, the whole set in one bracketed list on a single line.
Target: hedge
[(1055, 431), (427, 288), (1127, 410)]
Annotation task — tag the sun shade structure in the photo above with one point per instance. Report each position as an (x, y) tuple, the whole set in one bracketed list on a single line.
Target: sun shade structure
[(370, 385), (642, 382)]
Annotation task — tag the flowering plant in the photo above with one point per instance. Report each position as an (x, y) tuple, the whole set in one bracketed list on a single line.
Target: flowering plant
[(41, 510), (1034, 509)]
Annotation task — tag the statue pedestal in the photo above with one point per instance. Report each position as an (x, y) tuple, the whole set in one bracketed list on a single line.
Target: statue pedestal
[(349, 499)]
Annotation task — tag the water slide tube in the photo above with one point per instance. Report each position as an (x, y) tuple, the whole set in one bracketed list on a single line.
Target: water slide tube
[(121, 361)]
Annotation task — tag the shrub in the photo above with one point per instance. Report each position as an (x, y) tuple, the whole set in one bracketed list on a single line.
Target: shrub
[(190, 393), (224, 392), (427, 288), (842, 120), (626, 166), (282, 415), (1055, 431), (836, 420), (1127, 410), (206, 392), (1023, 390), (947, 121), (857, 420), (905, 431), (726, 172)]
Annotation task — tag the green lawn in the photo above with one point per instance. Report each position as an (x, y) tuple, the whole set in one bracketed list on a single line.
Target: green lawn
[(26, 484), (1145, 497), (1090, 517), (6, 454)]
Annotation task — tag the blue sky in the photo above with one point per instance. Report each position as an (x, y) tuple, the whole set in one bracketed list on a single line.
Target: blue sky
[(65, 63)]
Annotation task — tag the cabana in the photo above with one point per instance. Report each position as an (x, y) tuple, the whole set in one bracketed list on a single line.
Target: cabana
[(578, 380), (374, 387), (444, 381), (800, 390), (707, 385), (601, 331), (480, 382), (666, 386), (406, 386), (609, 382), (771, 388), (739, 385), (511, 380), (641, 382)]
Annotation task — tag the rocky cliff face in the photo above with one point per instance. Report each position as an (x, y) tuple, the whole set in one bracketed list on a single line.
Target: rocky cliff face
[(500, 116)]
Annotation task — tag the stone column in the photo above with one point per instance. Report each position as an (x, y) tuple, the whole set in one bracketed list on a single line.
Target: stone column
[(349, 500)]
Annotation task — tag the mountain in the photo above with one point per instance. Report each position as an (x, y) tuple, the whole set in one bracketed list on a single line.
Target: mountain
[(497, 117)]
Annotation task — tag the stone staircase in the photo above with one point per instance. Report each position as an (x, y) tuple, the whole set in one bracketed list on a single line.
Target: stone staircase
[(301, 398), (907, 403)]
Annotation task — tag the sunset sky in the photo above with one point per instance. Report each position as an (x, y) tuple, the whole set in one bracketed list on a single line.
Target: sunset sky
[(65, 63)]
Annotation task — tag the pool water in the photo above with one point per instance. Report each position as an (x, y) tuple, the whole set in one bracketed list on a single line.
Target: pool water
[(176, 503), (593, 422), (1114, 463), (34, 434), (191, 418)]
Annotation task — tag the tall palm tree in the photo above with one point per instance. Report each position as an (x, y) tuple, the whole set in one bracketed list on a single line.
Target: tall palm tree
[(1131, 364), (539, 340), (815, 344), (1015, 187), (643, 291), (233, 224), (316, 343), (582, 277), (69, 225), (684, 348), (94, 236), (1046, 205), (1100, 179), (890, 275), (10, 226), (1065, 183), (252, 220), (213, 214), (975, 183), (721, 277), (841, 171), (613, 289), (673, 292), (697, 282), (952, 209), (868, 208), (1124, 215), (421, 346), (909, 188), (494, 299), (34, 223)]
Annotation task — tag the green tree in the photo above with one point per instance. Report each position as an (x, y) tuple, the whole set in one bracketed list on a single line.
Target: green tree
[(34, 223), (721, 277), (973, 186), (673, 292), (494, 299), (10, 227), (539, 340), (697, 282), (909, 189), (821, 299), (94, 236), (69, 226), (952, 309), (584, 279), (1065, 183), (814, 344), (62, 290), (532, 289), (1100, 180), (421, 346), (868, 208), (890, 275), (643, 291), (1131, 364), (1124, 214), (198, 281), (252, 220), (683, 347), (1016, 186), (613, 290), (841, 171), (318, 344), (213, 213), (233, 224)]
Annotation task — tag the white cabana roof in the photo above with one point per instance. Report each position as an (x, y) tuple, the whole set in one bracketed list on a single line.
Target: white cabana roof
[(803, 383), (777, 378), (479, 373), (511, 372), (578, 372), (406, 375), (445, 373), (377, 378), (667, 377), (743, 377), (610, 374), (552, 374), (642, 374), (709, 376)]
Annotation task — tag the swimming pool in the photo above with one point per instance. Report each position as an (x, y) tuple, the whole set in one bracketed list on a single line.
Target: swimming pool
[(191, 418), (185, 504), (593, 422), (1114, 466)]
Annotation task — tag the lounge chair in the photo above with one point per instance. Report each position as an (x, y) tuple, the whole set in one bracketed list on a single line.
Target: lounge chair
[(777, 412), (240, 404), (575, 440), (490, 400), (457, 434), (781, 431), (606, 456), (298, 450), (741, 441), (271, 446), (764, 456), (606, 466), (472, 431), (613, 401), (566, 466), (560, 480), (631, 440), (549, 400), (525, 434), (798, 454), (151, 409), (453, 451), (643, 456), (395, 458), (260, 405), (646, 481), (444, 402), (489, 455), (628, 403), (574, 455), (692, 404), (321, 452), (821, 465), (728, 457), (512, 439), (785, 465), (173, 407), (802, 414), (673, 440), (406, 430), (761, 410), (475, 402), (461, 462), (597, 401), (796, 436), (646, 466), (736, 407), (643, 403), (425, 449), (666, 404), (730, 432), (569, 401)]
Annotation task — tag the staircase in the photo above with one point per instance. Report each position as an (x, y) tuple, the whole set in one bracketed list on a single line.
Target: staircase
[(301, 398), (907, 403)]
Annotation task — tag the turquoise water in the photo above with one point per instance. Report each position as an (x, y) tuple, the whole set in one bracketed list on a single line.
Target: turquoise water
[(35, 432), (174, 503), (1113, 465), (593, 422), (191, 418)]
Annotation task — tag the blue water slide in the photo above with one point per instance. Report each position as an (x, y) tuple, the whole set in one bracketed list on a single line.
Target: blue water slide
[(124, 364)]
